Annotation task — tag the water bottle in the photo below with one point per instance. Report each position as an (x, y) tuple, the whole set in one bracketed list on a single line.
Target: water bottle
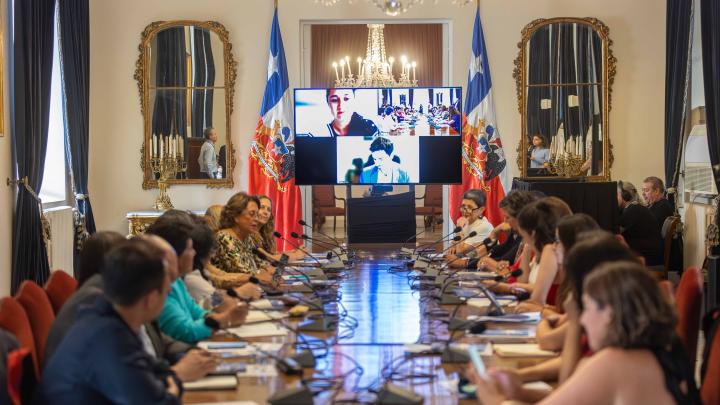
[(219, 172)]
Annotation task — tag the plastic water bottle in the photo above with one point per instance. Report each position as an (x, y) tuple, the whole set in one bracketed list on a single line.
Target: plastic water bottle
[(219, 172)]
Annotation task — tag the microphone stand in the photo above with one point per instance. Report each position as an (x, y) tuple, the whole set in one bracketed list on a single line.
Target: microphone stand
[(421, 249), (336, 242)]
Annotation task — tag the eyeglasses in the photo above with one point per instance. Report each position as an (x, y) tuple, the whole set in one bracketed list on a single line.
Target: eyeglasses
[(252, 214), (468, 208)]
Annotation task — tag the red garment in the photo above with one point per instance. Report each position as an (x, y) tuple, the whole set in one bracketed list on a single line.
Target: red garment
[(552, 294), (585, 349)]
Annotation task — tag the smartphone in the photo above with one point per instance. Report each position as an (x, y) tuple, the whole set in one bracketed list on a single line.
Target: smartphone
[(477, 361)]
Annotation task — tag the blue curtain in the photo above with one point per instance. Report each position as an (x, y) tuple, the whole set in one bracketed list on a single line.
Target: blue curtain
[(30, 77), (75, 49), (677, 73)]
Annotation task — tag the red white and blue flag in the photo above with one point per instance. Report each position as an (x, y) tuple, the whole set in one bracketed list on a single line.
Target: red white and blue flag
[(272, 154), (484, 162)]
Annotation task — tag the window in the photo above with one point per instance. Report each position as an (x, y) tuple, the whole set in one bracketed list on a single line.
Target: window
[(56, 189), (697, 173)]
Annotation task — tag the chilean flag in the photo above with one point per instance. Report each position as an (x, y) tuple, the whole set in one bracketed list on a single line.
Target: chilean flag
[(483, 158), (272, 154)]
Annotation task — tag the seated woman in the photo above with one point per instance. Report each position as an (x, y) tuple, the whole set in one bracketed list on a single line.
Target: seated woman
[(503, 254), (212, 217), (551, 329), (235, 261), (537, 223), (631, 328), (471, 209), (265, 238), (197, 281)]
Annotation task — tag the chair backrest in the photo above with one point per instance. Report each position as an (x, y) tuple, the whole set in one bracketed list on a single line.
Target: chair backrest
[(433, 196), (710, 388), (40, 313), (14, 319), (59, 288), (323, 196), (689, 298)]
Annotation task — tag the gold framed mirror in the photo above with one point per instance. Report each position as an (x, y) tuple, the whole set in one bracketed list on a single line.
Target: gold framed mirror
[(564, 74), (186, 77)]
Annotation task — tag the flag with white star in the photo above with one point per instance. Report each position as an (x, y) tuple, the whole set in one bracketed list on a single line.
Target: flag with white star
[(483, 158), (272, 154)]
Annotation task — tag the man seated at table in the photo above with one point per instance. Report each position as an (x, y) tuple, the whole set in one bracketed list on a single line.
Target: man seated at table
[(102, 359), (653, 192), (638, 225)]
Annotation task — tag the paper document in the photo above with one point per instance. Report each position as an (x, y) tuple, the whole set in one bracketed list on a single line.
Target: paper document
[(483, 302), (521, 350), (259, 329), (212, 383), (251, 349), (259, 370), (262, 316)]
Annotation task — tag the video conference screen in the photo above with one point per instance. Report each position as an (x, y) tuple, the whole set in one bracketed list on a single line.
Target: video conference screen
[(378, 136)]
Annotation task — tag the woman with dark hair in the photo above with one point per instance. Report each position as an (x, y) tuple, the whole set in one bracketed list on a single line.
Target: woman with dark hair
[(94, 250), (631, 328), (265, 237), (539, 152), (536, 225), (235, 258)]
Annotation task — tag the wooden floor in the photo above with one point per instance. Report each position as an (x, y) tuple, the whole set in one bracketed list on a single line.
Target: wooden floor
[(389, 313)]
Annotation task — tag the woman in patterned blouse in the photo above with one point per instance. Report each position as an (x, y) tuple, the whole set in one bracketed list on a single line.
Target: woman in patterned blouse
[(234, 258)]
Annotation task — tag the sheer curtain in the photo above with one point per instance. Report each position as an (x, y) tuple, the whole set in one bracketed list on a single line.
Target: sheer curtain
[(419, 42)]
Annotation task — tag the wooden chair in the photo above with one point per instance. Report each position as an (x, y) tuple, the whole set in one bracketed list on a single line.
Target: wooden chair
[(40, 313), (668, 231), (710, 389), (324, 205), (59, 287), (432, 205)]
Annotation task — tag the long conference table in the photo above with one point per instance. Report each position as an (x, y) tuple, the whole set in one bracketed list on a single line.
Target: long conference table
[(391, 309)]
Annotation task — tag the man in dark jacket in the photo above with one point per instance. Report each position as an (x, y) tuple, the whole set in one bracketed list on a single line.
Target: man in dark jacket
[(102, 359)]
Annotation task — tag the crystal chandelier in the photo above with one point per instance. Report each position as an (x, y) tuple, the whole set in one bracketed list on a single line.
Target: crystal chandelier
[(394, 7), (375, 70)]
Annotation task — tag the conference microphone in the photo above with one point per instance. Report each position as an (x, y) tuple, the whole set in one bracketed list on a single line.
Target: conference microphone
[(336, 242), (296, 246), (439, 221), (342, 256), (515, 273), (442, 239)]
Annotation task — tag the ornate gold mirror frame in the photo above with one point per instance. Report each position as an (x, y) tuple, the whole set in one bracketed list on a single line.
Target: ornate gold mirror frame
[(608, 76), (142, 76)]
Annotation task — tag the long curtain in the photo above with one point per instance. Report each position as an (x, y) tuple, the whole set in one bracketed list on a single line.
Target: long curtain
[(420, 42), (710, 31), (203, 76), (677, 74), (75, 50), (30, 77), (170, 107)]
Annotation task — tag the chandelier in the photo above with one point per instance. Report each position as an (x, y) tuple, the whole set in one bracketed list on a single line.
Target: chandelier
[(375, 70), (394, 7)]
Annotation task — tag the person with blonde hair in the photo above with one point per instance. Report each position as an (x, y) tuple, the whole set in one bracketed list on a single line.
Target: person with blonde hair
[(234, 257), (212, 216)]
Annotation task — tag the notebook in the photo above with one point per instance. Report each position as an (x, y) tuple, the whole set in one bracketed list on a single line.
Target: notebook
[(527, 317), (259, 329)]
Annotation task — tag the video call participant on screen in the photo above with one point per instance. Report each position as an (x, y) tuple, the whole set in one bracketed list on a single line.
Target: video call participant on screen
[(345, 120), (384, 170)]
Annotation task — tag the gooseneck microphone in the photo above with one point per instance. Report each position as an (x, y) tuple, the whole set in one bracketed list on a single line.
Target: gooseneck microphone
[(297, 246), (336, 243), (438, 221), (423, 247)]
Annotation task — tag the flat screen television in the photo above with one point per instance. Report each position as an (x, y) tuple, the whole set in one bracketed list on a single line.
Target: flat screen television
[(378, 136)]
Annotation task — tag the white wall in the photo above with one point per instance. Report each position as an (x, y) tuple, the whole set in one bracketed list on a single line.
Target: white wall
[(636, 27), (6, 193)]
